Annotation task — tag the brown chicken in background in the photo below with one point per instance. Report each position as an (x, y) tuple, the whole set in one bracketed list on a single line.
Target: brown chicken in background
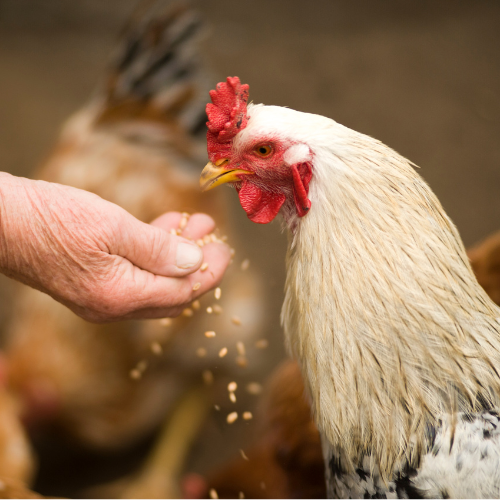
[(138, 143)]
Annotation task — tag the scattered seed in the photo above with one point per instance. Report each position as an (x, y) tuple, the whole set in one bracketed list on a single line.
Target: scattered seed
[(218, 293), (165, 321), (201, 352), (217, 309), (142, 365), (243, 455), (222, 352), (245, 265), (240, 347), (254, 388), (187, 312), (183, 223), (213, 493), (204, 266), (208, 377), (247, 415), (232, 397), (261, 344), (242, 361), (156, 348), (217, 407), (232, 386), (241, 495), (197, 286), (210, 334), (209, 310), (232, 417), (196, 305), (236, 320), (135, 374)]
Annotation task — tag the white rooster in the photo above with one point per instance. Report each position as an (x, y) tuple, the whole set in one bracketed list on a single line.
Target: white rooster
[(397, 342)]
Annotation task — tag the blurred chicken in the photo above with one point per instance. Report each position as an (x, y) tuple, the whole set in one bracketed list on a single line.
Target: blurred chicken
[(136, 144)]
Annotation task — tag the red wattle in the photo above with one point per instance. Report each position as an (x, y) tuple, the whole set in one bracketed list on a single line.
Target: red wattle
[(261, 206), (302, 174)]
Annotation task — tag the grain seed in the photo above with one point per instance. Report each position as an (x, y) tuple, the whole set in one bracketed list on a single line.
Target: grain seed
[(254, 388), (204, 266), (165, 321), (232, 386), (201, 352), (222, 352), (218, 293), (206, 239), (240, 347), (232, 397), (199, 242), (135, 374), (156, 348), (187, 312), (196, 305), (261, 344), (209, 310), (217, 309), (232, 417), (197, 286), (236, 320), (245, 265), (243, 455), (183, 223), (208, 377), (213, 493), (242, 361), (173, 231), (241, 495), (247, 415), (210, 334), (142, 365), (217, 407)]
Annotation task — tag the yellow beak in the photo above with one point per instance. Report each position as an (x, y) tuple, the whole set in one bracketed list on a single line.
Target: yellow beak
[(215, 175)]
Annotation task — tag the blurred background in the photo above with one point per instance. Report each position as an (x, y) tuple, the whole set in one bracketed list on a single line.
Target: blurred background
[(423, 77)]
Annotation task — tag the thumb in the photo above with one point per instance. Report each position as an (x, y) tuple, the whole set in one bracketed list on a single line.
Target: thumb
[(157, 251)]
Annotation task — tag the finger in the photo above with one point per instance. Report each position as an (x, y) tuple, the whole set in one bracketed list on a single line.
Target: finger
[(168, 221), (156, 250), (198, 226)]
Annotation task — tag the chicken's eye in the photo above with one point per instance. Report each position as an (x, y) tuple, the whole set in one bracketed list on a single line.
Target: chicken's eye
[(263, 150)]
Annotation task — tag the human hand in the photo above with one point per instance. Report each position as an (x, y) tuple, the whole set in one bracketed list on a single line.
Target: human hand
[(96, 258)]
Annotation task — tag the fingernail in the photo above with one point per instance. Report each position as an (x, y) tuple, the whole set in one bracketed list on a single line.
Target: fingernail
[(188, 255)]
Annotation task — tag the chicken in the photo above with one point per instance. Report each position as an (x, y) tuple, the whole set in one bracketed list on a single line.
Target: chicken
[(136, 143), (397, 342)]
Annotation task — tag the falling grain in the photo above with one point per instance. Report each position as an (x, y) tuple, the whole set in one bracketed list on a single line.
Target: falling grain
[(201, 352), (217, 309), (196, 305), (213, 493), (209, 310), (242, 361), (263, 485), (197, 286), (241, 495), (165, 321), (210, 334), (208, 377), (135, 374), (204, 266), (222, 352), (232, 417), (232, 397), (142, 365), (217, 407), (247, 415), (245, 265), (240, 347), (218, 293), (243, 455), (254, 388), (261, 344), (232, 386), (187, 312), (156, 348), (236, 320)]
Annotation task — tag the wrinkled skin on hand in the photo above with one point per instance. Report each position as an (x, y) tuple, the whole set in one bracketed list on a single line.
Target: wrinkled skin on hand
[(96, 258)]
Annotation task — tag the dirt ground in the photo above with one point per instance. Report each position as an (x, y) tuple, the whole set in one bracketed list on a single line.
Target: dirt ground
[(422, 76)]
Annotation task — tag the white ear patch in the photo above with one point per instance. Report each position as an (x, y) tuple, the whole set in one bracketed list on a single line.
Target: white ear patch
[(296, 154)]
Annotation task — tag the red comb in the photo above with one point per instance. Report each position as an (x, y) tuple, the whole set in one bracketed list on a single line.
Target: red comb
[(226, 116)]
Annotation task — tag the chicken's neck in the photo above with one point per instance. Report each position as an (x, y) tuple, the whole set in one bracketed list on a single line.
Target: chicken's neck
[(382, 309)]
